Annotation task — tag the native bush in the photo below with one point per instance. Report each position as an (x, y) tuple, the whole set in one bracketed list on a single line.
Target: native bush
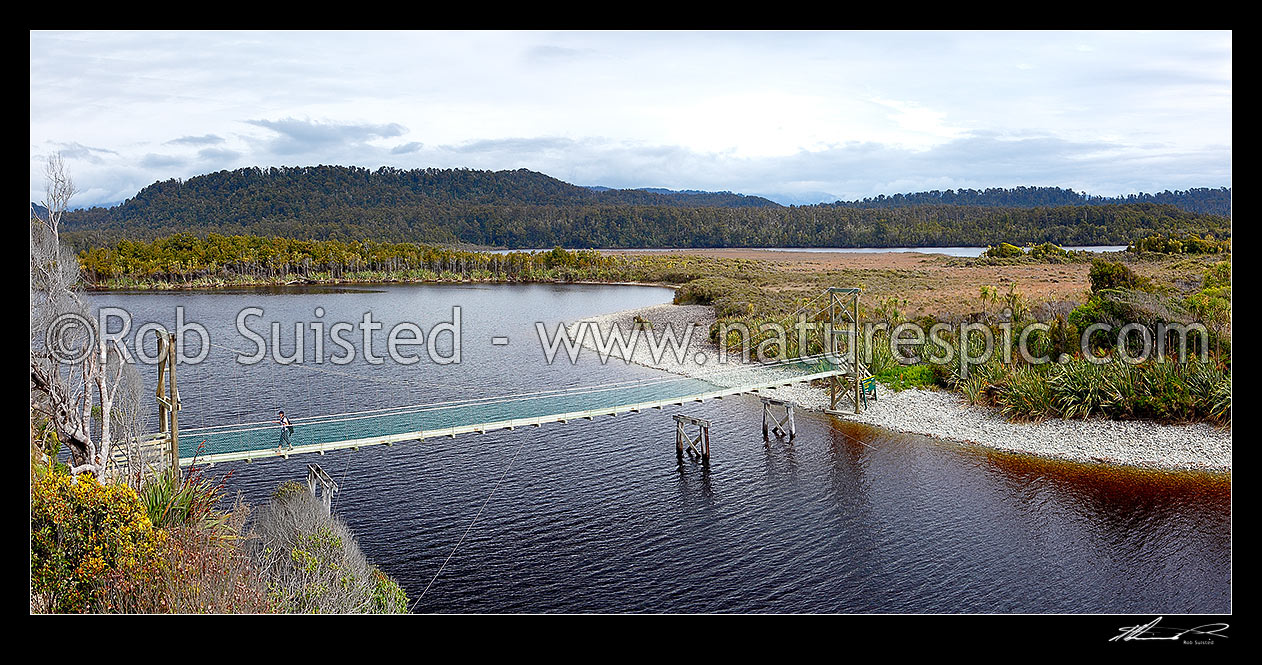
[(1004, 251), (1114, 275), (730, 297), (976, 389), (1050, 252), (312, 563), (1079, 388), (1185, 244), (90, 543), (1220, 401), (1026, 395), (172, 497), (210, 571), (880, 358), (902, 377)]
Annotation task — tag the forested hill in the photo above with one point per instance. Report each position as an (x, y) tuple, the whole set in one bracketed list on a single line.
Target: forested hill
[(524, 209), (1199, 199), (695, 197), (248, 194)]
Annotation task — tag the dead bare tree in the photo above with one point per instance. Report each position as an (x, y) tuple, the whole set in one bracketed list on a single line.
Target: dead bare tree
[(76, 378)]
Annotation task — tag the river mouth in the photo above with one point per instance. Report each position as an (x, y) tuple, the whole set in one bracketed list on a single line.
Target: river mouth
[(599, 517)]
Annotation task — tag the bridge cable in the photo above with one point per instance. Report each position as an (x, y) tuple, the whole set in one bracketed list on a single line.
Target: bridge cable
[(350, 416), (341, 484), (470, 527), (501, 399)]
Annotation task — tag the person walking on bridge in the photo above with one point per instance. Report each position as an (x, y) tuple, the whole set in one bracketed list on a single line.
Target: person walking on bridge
[(286, 430)]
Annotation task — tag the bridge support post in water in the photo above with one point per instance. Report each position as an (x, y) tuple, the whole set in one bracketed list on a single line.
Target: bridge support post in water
[(168, 403), (697, 447), (779, 427), (328, 488)]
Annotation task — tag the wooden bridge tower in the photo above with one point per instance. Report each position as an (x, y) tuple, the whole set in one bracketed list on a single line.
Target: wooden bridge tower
[(843, 319), (168, 395)]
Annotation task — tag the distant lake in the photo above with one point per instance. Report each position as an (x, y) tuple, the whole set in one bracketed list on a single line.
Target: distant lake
[(949, 251)]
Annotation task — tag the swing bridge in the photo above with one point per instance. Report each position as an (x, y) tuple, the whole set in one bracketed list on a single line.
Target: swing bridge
[(248, 441)]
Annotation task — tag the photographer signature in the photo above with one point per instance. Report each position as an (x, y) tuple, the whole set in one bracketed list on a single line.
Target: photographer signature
[(1151, 631)]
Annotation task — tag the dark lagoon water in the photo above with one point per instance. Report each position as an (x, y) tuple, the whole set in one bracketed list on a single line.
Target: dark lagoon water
[(598, 516)]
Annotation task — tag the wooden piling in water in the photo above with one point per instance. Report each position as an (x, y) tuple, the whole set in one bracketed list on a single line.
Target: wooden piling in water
[(778, 428), (698, 447), (316, 474), (679, 440)]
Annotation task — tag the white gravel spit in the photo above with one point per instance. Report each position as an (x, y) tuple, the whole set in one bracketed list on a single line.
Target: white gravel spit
[(939, 414)]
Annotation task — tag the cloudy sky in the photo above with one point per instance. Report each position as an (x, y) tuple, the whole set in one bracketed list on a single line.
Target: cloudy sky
[(798, 117)]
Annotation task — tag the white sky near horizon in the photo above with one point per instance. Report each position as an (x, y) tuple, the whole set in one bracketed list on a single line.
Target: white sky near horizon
[(800, 117)]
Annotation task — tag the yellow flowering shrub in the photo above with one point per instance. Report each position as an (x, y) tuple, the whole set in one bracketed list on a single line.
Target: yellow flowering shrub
[(90, 544)]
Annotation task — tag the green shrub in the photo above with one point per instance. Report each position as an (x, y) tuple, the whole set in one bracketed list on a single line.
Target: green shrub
[(1004, 251), (172, 497), (1050, 252), (1220, 401), (1165, 393), (289, 489), (1113, 275), (1026, 395), (1185, 244), (730, 297), (1079, 388), (880, 358), (976, 389), (902, 377), (387, 596)]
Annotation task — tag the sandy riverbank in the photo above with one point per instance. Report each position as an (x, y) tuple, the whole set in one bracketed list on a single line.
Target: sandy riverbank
[(945, 415)]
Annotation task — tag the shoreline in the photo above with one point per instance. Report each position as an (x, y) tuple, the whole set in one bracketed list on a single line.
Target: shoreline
[(942, 415), (168, 286)]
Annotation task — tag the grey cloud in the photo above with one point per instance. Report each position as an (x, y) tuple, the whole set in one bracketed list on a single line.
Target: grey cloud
[(83, 152), (304, 136), (217, 155), (979, 162), (208, 139), (856, 169), (514, 145), (153, 161), (406, 148)]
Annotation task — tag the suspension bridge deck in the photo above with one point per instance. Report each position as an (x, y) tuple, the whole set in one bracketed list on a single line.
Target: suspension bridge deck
[(260, 440)]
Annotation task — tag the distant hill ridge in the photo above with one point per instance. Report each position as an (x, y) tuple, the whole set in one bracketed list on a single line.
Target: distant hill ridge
[(289, 190), (387, 186), (697, 197), (1215, 201), (524, 208)]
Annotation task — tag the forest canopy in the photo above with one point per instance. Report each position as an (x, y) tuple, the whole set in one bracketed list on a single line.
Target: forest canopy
[(524, 209)]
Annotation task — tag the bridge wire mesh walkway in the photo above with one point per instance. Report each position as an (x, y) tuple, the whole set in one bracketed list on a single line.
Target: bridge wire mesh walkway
[(318, 434)]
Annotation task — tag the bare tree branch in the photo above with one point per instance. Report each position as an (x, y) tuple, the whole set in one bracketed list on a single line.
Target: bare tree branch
[(65, 389)]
